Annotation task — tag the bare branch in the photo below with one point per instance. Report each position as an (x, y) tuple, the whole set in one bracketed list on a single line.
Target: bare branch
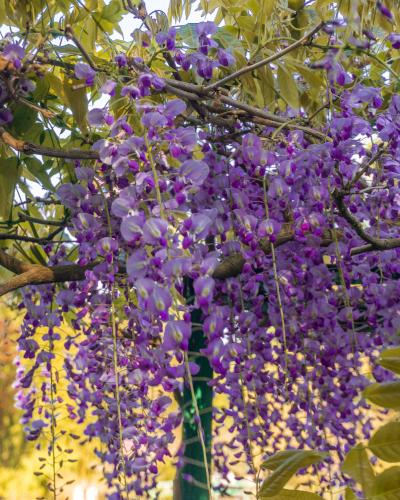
[(29, 148), (77, 42), (18, 237), (303, 41), (42, 221), (360, 173)]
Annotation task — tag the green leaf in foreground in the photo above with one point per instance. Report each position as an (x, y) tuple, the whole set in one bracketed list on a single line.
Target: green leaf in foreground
[(358, 466), (386, 395), (385, 443), (390, 359), (275, 482), (293, 495), (387, 485)]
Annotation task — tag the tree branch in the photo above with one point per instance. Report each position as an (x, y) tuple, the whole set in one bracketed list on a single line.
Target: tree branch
[(17, 237), (303, 41), (42, 221), (29, 148), (32, 274)]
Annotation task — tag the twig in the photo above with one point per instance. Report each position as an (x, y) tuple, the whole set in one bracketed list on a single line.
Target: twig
[(77, 42), (26, 218), (361, 172)]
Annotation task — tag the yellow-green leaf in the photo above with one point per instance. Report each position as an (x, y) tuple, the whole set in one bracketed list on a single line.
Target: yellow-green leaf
[(387, 485), (56, 86), (386, 395), (349, 494), (390, 358), (77, 103), (274, 461), (292, 495), (319, 8), (9, 176), (358, 466), (247, 23), (275, 482), (288, 89), (385, 443)]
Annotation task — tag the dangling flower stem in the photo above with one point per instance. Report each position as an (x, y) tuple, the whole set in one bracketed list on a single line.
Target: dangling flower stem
[(114, 337), (347, 302), (190, 380), (277, 290)]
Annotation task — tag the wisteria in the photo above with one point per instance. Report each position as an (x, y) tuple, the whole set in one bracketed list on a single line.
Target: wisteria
[(279, 250)]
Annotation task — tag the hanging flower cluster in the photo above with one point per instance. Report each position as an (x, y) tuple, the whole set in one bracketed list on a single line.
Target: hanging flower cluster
[(259, 230)]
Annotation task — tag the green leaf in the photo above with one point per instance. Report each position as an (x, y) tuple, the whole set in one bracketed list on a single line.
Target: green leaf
[(188, 34), (9, 176), (247, 23), (358, 466), (41, 90), (288, 89), (113, 12), (313, 78), (274, 461), (77, 103), (293, 495), (56, 86), (24, 119), (349, 494), (38, 170), (275, 482), (390, 358), (387, 485), (386, 395), (385, 443)]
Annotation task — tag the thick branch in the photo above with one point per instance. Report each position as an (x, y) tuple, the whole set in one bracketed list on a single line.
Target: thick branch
[(29, 148), (374, 243), (232, 266)]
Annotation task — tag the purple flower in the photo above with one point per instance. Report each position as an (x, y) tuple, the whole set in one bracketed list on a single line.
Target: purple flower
[(176, 336), (137, 264), (204, 29), (181, 140), (159, 302), (6, 117), (224, 58), (174, 107), (278, 188), (151, 121), (131, 91), (269, 227), (384, 10), (168, 38), (369, 34), (121, 124), (154, 231), (14, 53), (394, 39), (96, 117), (204, 288), (131, 227), (106, 246), (194, 171), (175, 268), (83, 70), (109, 88), (120, 59)]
